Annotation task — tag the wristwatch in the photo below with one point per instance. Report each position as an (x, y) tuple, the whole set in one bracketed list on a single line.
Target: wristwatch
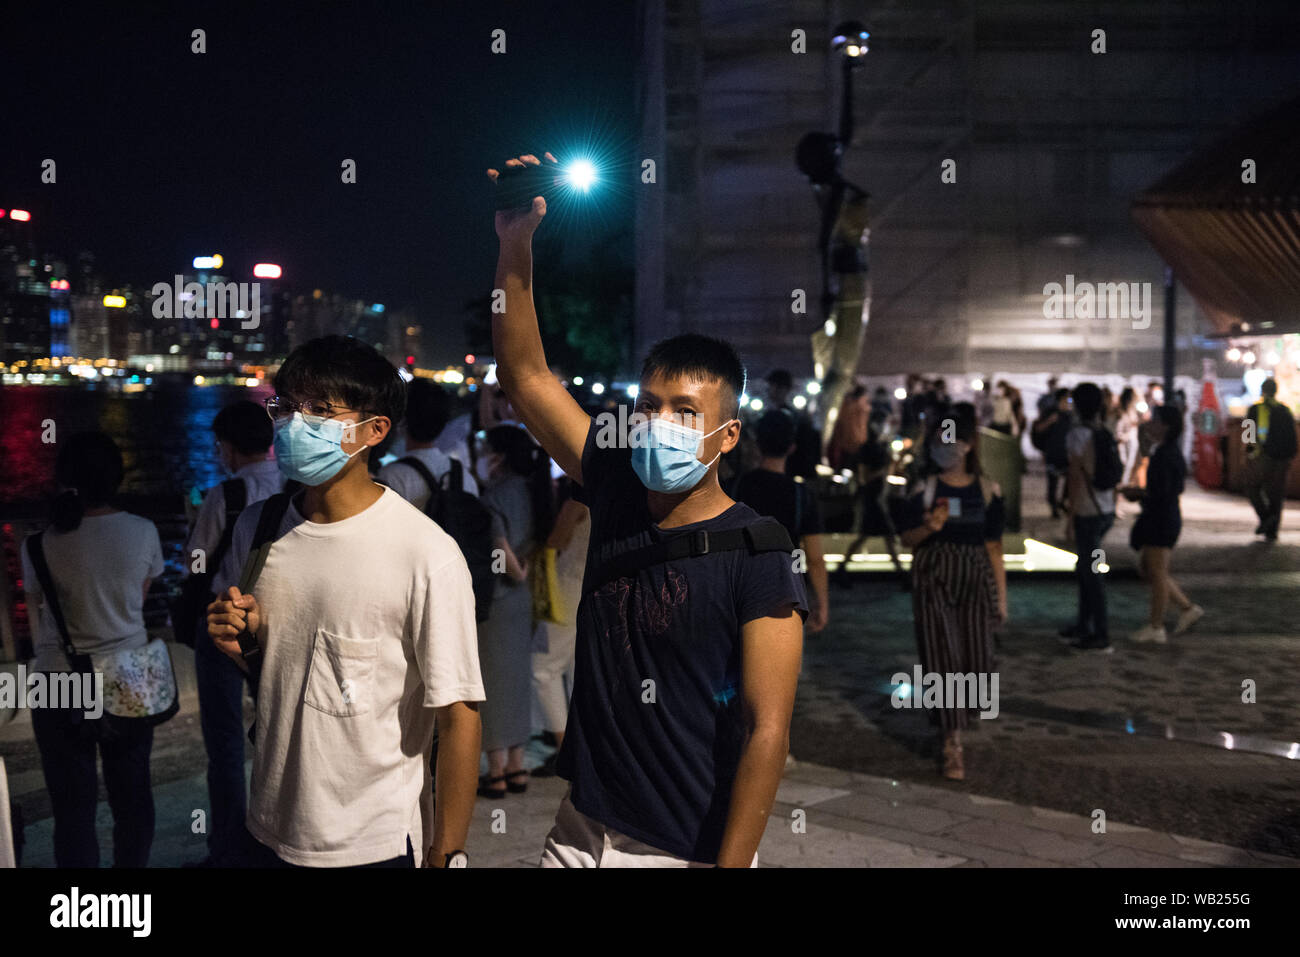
[(456, 859)]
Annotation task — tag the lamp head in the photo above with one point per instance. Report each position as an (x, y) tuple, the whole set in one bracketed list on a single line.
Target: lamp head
[(850, 41)]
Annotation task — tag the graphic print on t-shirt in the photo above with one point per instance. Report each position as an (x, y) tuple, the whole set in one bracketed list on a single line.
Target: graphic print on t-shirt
[(654, 617)]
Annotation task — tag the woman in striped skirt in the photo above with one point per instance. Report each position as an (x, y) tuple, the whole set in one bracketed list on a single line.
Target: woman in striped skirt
[(953, 524)]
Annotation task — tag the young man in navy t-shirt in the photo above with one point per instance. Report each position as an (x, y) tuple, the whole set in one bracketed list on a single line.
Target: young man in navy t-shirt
[(685, 669)]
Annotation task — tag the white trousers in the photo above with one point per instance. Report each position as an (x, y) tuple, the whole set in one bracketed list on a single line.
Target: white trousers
[(579, 841)]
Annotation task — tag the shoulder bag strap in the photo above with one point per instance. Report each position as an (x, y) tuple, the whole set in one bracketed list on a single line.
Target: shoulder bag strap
[(36, 551)]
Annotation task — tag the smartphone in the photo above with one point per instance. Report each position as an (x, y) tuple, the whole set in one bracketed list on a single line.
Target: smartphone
[(954, 507), (517, 185)]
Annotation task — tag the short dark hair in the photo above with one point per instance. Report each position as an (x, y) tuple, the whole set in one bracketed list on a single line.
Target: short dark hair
[(345, 369), (89, 467), (246, 426), (1172, 417), (428, 408), (775, 432), (1087, 400), (698, 357), (780, 379), (965, 429), (1268, 387)]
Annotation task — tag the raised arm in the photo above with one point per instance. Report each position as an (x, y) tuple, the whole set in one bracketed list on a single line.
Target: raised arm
[(544, 405)]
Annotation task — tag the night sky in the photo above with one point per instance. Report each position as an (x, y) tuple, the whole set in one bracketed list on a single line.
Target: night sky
[(164, 154)]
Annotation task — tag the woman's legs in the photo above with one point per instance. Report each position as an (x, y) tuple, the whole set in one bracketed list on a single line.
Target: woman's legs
[(496, 768), (130, 793), (515, 759), (1157, 565), (68, 761)]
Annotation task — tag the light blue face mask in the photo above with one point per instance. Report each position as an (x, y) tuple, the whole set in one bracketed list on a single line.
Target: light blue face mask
[(664, 454), (312, 454)]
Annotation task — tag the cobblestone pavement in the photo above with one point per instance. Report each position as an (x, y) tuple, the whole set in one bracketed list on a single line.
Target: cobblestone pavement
[(1118, 732)]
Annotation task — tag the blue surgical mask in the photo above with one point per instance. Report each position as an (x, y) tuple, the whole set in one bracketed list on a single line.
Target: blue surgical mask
[(312, 454), (947, 455), (664, 454)]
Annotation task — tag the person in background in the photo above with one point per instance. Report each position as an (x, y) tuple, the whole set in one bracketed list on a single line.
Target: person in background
[(1049, 434), (101, 561), (243, 437), (953, 522), (875, 465), (1003, 419), (911, 416), (428, 407), (882, 406), (1047, 401), (1157, 528), (850, 429), (1092, 513), (807, 454), (769, 491), (553, 668), (1127, 423), (516, 479), (1109, 408), (1268, 458)]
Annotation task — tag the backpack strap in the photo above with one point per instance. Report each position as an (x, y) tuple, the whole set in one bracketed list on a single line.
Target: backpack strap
[(763, 536), (425, 474), (36, 552), (268, 525), (235, 493), (928, 493), (454, 479)]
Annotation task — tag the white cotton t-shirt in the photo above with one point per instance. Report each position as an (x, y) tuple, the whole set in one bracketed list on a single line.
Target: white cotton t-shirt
[(261, 480), (368, 626), (407, 482), (1085, 499), (99, 570)]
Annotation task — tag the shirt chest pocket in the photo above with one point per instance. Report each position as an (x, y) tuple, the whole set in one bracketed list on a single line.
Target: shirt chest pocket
[(340, 678)]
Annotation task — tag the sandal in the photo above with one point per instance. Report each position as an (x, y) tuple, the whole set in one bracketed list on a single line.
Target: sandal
[(511, 786), (490, 792)]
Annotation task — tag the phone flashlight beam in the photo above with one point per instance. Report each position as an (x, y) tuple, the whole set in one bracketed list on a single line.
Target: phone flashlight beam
[(581, 175)]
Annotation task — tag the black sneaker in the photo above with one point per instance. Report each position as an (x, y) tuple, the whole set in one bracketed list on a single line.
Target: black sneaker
[(1092, 644)]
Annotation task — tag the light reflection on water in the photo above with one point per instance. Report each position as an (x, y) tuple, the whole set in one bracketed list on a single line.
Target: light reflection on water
[(167, 449)]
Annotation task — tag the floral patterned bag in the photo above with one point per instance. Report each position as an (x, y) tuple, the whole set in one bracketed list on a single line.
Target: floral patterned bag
[(139, 683)]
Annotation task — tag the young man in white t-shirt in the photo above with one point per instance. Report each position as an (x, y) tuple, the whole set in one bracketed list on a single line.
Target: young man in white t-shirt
[(428, 406), (363, 617)]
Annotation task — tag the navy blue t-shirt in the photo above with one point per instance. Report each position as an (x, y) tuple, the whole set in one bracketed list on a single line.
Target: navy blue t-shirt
[(662, 772), (970, 521)]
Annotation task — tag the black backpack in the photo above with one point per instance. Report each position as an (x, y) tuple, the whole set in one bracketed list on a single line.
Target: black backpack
[(1107, 469), (467, 520)]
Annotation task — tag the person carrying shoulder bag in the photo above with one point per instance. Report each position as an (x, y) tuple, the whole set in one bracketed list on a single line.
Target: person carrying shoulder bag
[(88, 575)]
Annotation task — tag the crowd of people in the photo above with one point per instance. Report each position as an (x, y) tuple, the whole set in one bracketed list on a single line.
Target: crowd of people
[(401, 618)]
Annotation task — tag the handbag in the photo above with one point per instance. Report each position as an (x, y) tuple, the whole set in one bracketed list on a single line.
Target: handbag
[(548, 603), (139, 683)]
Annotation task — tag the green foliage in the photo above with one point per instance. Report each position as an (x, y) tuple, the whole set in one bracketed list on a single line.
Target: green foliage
[(584, 308)]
